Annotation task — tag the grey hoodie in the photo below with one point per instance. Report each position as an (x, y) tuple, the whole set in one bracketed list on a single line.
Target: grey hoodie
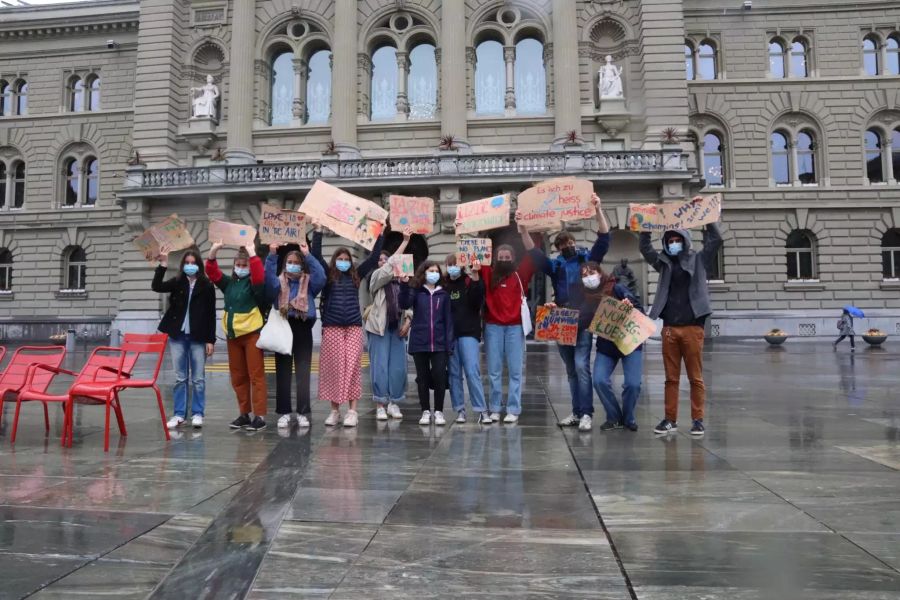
[(691, 261)]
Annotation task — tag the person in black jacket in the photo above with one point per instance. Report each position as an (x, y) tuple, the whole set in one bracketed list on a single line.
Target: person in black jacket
[(466, 301), (190, 323), (431, 338)]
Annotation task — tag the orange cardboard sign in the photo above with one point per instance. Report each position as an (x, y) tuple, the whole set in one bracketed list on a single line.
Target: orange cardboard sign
[(232, 234), (683, 214), (622, 324), (351, 217), (556, 325), (481, 215), (412, 211), (280, 226), (546, 205), (171, 233)]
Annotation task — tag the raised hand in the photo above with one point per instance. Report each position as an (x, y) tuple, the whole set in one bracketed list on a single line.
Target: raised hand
[(163, 256), (304, 249), (217, 245), (595, 201), (251, 249), (273, 248), (407, 233)]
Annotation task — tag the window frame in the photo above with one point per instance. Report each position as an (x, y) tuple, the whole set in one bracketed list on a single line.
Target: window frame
[(82, 161), (93, 93), (893, 252), (782, 57), (397, 72), (720, 153), (519, 41), (20, 89), (806, 55), (10, 183), (6, 271), (690, 50), (810, 152), (891, 55), (490, 112), (714, 46), (786, 153), (794, 253), (875, 53), (879, 134), (81, 271)]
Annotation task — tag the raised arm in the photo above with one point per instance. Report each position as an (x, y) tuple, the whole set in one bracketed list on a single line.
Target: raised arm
[(648, 251), (257, 272), (273, 285), (407, 235), (371, 261), (316, 247), (602, 223), (712, 242), (316, 271), (527, 241), (158, 285), (212, 267)]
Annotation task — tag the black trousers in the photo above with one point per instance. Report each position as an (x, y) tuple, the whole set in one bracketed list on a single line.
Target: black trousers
[(841, 338), (301, 361), (431, 374)]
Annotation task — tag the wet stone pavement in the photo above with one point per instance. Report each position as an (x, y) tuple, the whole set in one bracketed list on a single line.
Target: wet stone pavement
[(792, 494)]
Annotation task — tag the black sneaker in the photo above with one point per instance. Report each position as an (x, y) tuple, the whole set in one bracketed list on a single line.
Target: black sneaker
[(631, 427), (610, 425), (241, 422), (257, 424), (698, 428), (666, 426)]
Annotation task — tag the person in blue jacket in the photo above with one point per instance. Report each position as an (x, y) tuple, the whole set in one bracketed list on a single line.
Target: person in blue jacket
[(293, 293), (431, 337), (568, 292)]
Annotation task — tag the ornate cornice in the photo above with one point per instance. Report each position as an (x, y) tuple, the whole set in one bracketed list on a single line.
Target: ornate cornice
[(66, 29)]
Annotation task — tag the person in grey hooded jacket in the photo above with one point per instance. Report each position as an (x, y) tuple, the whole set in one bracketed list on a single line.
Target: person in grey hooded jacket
[(682, 301)]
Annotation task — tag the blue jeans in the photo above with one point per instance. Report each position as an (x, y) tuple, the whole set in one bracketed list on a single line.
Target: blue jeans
[(633, 368), (189, 362), (387, 364), (577, 359), (505, 342), (466, 360)]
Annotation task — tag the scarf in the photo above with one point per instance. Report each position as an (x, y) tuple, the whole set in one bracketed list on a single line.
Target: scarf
[(300, 302)]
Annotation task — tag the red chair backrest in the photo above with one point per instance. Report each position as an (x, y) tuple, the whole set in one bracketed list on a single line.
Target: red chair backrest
[(105, 363), (13, 376), (136, 345)]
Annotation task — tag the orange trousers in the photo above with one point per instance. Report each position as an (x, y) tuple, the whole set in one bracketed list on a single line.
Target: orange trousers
[(248, 374), (683, 343)]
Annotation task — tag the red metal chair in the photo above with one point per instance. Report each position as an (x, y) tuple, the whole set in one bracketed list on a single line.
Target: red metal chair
[(14, 375)]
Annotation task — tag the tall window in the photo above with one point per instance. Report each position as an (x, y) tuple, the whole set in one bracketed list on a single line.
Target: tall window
[(6, 268), (871, 58), (874, 157), (895, 153), (490, 78), (531, 83), (890, 254), (18, 185), (713, 165), (781, 161), (318, 87), (73, 182), (715, 269), (6, 98), (707, 67), (777, 59), (92, 185), (689, 61), (81, 186), (93, 93), (21, 97), (892, 55), (76, 94), (76, 269), (422, 82), (801, 263), (806, 157), (282, 90), (384, 83), (3, 185), (799, 58)]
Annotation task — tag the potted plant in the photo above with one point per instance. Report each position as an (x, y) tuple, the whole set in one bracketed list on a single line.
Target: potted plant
[(775, 337), (448, 143), (874, 337), (669, 136)]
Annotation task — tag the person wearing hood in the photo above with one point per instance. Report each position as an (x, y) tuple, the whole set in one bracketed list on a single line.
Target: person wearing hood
[(682, 301), (568, 292)]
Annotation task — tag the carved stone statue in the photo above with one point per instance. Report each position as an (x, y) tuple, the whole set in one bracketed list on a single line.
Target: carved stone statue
[(203, 100), (610, 85), (626, 277)]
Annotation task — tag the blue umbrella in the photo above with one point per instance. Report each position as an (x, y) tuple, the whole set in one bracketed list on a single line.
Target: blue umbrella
[(856, 313)]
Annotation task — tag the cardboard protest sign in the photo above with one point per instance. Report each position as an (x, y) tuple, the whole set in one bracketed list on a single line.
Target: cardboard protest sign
[(232, 234), (545, 205), (412, 211), (622, 324), (280, 226), (468, 250), (171, 233), (556, 325), (683, 214), (481, 215), (349, 216), (403, 265)]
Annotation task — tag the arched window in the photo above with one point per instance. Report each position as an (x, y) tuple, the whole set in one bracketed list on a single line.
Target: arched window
[(6, 268), (282, 89), (777, 54), (890, 254), (799, 58), (76, 269), (422, 82), (806, 157), (531, 81), (384, 83), (6, 99), (73, 182), (874, 157), (801, 259), (18, 184), (713, 165), (489, 78), (76, 94), (895, 153), (707, 67), (689, 61), (318, 87), (93, 85), (21, 97), (92, 176), (892, 55), (871, 59), (781, 162)]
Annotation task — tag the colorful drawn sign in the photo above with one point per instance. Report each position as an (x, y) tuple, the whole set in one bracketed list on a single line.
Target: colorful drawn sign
[(232, 234), (556, 325), (622, 324), (481, 215), (412, 211), (351, 217), (468, 250), (685, 214), (544, 206), (403, 265), (280, 226), (171, 233)]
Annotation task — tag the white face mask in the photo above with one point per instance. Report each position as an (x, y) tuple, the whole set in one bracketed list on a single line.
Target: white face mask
[(591, 282)]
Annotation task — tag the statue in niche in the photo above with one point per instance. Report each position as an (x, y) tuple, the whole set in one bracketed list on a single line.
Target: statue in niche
[(625, 276), (610, 85), (203, 100)]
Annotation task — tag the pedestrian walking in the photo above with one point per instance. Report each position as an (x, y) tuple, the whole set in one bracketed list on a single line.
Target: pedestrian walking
[(845, 327)]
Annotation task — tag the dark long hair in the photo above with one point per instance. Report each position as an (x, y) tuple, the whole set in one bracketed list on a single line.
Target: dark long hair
[(334, 274), (419, 278), (496, 276), (607, 282), (198, 260)]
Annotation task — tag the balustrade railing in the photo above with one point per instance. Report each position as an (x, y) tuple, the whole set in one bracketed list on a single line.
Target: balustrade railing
[(158, 178), (273, 173)]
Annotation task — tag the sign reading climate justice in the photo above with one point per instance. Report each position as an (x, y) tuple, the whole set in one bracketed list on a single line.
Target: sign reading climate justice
[(171, 234), (622, 324), (546, 205), (280, 226), (414, 212), (481, 215), (683, 214), (351, 217), (468, 250), (556, 325)]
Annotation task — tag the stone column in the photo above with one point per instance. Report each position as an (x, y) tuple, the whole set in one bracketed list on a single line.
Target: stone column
[(402, 86), (567, 103), (301, 72), (454, 55), (343, 100), (240, 82), (509, 57)]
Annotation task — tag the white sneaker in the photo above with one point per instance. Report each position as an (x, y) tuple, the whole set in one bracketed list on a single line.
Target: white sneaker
[(196, 421), (381, 414), (495, 417), (284, 421), (426, 418), (302, 421), (511, 418), (461, 416), (393, 411), (175, 422), (352, 419), (486, 418), (570, 421), (334, 418), (439, 418), (586, 423)]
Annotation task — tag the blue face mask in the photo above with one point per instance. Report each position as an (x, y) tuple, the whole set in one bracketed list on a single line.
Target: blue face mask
[(432, 277), (190, 270), (454, 272), (675, 248), (293, 269), (241, 272), (342, 265)]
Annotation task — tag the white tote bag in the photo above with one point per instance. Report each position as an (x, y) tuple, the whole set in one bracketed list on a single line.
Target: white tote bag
[(526, 312), (276, 335)]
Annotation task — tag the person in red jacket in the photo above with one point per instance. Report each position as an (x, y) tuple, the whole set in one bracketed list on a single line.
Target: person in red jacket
[(506, 286)]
